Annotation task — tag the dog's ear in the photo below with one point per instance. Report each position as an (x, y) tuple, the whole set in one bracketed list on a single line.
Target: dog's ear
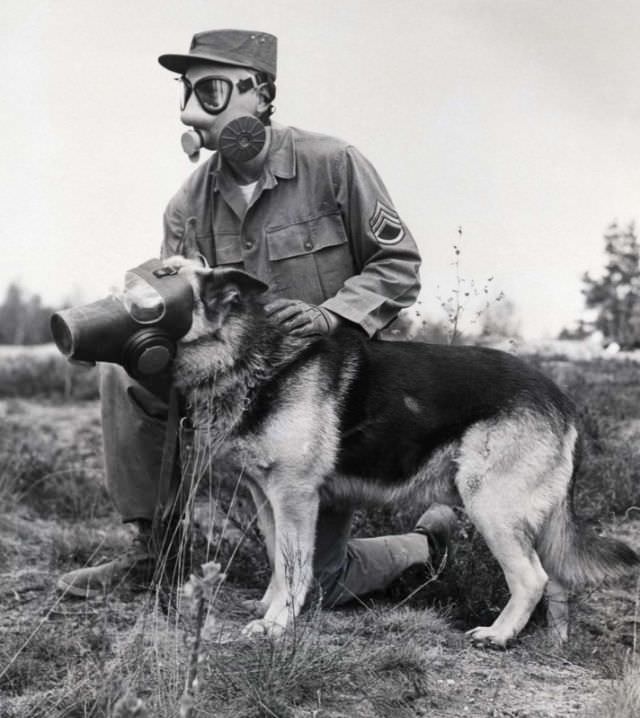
[(221, 288), (245, 284)]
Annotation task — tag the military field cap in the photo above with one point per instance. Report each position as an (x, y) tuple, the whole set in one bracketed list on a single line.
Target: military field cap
[(245, 48)]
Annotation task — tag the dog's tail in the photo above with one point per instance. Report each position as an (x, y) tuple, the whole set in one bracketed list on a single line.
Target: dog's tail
[(574, 554)]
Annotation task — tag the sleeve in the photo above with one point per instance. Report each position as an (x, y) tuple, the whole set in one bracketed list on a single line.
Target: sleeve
[(173, 224), (385, 253)]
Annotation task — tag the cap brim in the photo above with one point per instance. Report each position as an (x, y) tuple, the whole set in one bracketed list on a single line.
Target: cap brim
[(180, 63)]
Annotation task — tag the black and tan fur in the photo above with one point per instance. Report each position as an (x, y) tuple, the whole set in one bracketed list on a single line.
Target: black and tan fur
[(344, 418)]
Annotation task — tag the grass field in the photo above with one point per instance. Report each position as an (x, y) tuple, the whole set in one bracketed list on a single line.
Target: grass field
[(127, 654)]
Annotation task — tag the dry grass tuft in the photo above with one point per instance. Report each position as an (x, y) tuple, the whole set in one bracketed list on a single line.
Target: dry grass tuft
[(624, 701)]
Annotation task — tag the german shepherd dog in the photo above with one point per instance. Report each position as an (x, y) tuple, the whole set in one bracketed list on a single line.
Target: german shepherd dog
[(346, 419)]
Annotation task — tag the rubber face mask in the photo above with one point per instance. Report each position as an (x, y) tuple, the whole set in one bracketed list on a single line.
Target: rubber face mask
[(137, 329), (240, 140)]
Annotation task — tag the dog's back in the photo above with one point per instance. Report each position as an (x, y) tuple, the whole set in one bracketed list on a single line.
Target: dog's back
[(405, 400)]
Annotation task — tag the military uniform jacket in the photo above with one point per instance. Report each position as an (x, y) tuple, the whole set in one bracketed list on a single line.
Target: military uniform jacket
[(320, 227)]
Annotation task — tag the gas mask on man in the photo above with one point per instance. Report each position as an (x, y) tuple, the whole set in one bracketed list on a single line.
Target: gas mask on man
[(137, 329), (242, 138)]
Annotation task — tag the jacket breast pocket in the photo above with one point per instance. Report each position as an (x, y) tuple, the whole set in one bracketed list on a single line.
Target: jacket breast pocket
[(310, 260), (227, 250)]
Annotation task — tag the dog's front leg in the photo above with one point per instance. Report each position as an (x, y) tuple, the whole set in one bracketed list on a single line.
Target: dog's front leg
[(295, 516), (266, 526)]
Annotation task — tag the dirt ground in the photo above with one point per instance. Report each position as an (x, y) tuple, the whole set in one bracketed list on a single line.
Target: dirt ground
[(46, 639)]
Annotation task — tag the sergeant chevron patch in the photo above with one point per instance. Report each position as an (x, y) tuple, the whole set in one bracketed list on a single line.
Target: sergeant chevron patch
[(386, 225)]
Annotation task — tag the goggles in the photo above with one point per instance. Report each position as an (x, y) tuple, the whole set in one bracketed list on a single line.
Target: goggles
[(213, 92)]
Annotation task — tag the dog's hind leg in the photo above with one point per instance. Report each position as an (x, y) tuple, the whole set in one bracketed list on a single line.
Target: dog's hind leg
[(512, 472), (295, 516), (526, 578)]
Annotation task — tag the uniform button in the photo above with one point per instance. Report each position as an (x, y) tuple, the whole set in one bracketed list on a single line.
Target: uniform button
[(308, 245), (248, 244)]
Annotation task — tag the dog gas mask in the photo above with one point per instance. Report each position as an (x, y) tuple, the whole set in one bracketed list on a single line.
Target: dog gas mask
[(137, 329)]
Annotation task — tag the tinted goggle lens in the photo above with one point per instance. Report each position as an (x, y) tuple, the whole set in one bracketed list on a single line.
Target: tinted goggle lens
[(213, 93)]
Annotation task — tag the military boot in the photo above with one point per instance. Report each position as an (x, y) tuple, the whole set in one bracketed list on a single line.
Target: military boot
[(135, 567), (438, 523)]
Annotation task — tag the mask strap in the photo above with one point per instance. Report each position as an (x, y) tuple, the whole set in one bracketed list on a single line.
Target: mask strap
[(245, 85), (250, 82)]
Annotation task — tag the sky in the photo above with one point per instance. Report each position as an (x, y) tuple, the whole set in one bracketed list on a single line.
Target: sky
[(514, 120)]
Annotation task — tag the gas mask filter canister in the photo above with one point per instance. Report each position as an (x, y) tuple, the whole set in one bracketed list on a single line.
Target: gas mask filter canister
[(240, 140)]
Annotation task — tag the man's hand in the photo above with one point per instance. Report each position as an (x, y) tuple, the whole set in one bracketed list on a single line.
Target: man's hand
[(302, 319)]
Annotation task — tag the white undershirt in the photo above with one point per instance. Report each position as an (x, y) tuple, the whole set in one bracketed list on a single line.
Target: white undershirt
[(248, 190)]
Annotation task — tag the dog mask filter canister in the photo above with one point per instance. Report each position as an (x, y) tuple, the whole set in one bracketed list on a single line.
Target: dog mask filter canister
[(137, 329)]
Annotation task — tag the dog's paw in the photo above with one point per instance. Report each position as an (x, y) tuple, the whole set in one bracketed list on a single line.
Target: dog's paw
[(487, 637), (262, 629), (254, 606)]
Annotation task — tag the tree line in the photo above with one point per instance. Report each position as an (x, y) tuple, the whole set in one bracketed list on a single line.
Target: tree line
[(24, 319), (615, 295)]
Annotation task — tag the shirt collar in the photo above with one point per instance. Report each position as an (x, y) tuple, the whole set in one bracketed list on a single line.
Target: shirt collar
[(280, 162)]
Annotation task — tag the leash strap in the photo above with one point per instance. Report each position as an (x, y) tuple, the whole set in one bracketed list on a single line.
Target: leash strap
[(169, 480)]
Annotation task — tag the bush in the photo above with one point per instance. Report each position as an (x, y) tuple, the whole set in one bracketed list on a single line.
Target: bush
[(607, 397), (41, 371), (38, 471)]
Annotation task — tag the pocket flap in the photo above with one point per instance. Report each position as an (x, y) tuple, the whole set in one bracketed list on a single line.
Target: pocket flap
[(228, 249), (305, 237)]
